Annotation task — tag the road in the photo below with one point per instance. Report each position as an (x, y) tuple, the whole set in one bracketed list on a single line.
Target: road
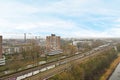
[(56, 67)]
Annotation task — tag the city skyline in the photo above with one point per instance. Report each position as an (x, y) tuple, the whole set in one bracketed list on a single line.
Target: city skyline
[(67, 18)]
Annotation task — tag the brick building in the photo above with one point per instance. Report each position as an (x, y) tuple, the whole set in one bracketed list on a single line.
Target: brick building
[(52, 42), (2, 58), (0, 47)]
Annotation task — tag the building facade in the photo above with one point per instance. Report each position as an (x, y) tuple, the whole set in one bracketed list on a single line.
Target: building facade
[(0, 47), (53, 42), (2, 58)]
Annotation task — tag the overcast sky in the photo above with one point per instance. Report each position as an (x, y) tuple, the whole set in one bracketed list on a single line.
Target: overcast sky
[(66, 18)]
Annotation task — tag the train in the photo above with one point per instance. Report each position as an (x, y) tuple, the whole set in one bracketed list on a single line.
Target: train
[(23, 76)]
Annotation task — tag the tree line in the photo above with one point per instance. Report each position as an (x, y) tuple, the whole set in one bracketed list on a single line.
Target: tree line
[(90, 69)]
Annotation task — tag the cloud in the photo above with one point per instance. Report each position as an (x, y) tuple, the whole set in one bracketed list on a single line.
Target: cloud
[(15, 9), (67, 18)]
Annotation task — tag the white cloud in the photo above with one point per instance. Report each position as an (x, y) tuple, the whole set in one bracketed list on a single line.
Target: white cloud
[(79, 8), (15, 9), (37, 19)]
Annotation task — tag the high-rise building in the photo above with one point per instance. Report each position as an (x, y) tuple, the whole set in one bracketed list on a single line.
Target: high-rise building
[(0, 47), (52, 42), (2, 59)]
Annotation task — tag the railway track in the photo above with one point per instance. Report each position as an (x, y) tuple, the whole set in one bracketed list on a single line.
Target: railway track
[(39, 69)]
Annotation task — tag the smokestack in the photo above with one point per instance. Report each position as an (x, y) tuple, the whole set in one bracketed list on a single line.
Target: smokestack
[(25, 37), (0, 47)]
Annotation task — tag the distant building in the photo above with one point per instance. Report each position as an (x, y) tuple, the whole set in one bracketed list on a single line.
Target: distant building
[(52, 43), (16, 48), (11, 50), (82, 42)]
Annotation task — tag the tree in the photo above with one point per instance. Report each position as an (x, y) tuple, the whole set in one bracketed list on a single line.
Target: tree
[(83, 47), (66, 76), (16, 63), (89, 69), (77, 72), (69, 49)]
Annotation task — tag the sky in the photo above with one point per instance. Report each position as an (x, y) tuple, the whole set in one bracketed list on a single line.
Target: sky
[(65, 18)]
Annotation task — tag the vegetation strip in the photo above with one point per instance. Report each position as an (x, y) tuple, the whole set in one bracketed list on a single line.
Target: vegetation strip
[(89, 70), (111, 69)]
